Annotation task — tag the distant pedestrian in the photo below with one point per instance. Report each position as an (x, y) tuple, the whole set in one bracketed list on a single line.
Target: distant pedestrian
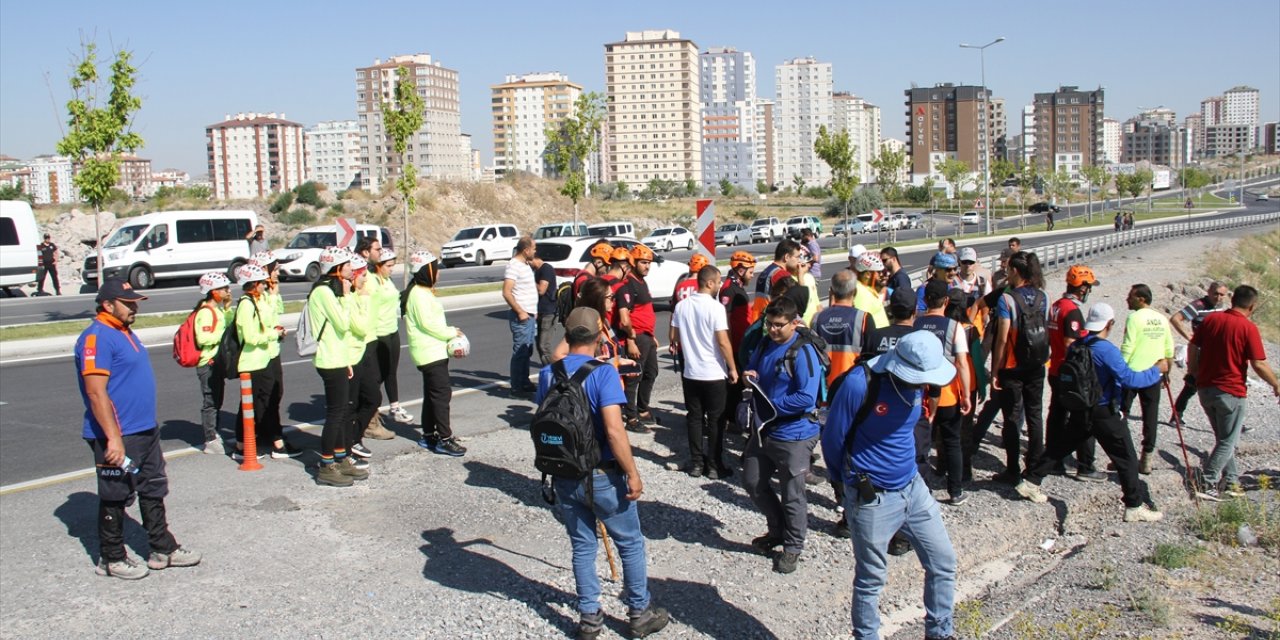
[(1215, 299), (1147, 340), (257, 239), (118, 388), (520, 291), (1119, 221), (210, 324), (385, 305), (809, 240), (700, 333), (429, 336), (544, 277), (47, 265), (1225, 343), (1048, 220)]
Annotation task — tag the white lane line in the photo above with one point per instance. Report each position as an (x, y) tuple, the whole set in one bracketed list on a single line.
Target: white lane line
[(3, 404)]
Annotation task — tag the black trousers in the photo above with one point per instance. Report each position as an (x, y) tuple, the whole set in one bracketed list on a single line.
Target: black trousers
[(640, 389), (1149, 400), (1022, 394), (704, 404), (1056, 429), (388, 349), (52, 272), (733, 396), (365, 396), (268, 390), (116, 490), (437, 392), (337, 405), (1105, 424), (947, 421), (1188, 392)]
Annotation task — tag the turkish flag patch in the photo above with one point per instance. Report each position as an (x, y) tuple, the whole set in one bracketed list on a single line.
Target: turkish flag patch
[(882, 409)]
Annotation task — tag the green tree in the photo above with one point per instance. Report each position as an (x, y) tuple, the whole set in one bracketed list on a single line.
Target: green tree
[(1001, 170), (402, 117), (690, 187), (798, 181), (955, 171), (198, 192), (762, 186), (726, 187), (99, 133), (1194, 179), (282, 203), (836, 150), (15, 192), (623, 190), (886, 166), (571, 141), (1142, 184), (1094, 176)]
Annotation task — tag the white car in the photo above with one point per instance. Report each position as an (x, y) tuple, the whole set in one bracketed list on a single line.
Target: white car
[(767, 230), (480, 245), (568, 255), (173, 244), (300, 259), (668, 238), (971, 217), (733, 234)]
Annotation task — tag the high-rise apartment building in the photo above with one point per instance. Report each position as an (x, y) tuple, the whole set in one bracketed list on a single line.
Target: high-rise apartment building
[(1112, 141), (1235, 108), (1156, 140), (135, 176), (333, 154), (252, 155), (805, 102), (1070, 129), (51, 180), (438, 151), (1194, 124), (897, 146), (947, 121), (1028, 134), (1227, 139), (1271, 138), (862, 120), (524, 107), (728, 117), (999, 123), (654, 102), (766, 144)]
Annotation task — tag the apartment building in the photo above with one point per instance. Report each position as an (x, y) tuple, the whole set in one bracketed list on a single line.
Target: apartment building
[(1028, 146), (999, 124), (524, 107), (862, 120), (897, 146), (1194, 125), (1154, 139), (1070, 129), (1228, 139), (805, 102), (947, 121), (1112, 141), (728, 79), (438, 151), (1271, 138), (1237, 107), (135, 176), (50, 180), (333, 154), (252, 155), (654, 103), (765, 143)]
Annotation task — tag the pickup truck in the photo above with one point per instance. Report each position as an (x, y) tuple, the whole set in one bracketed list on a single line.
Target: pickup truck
[(767, 230), (797, 224)]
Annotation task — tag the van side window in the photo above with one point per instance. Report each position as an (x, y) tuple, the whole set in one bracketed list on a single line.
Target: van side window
[(385, 239), (190, 231), (8, 233), (159, 236), (507, 232), (488, 234), (230, 229)]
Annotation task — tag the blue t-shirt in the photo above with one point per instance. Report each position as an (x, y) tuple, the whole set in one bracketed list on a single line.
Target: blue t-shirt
[(884, 447), (103, 349), (1114, 374), (791, 395), (603, 387)]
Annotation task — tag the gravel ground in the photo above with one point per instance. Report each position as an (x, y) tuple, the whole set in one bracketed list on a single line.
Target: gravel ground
[(434, 547)]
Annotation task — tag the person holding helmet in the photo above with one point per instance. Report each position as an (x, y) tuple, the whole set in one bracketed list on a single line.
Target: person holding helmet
[(866, 298), (385, 305), (639, 321), (1065, 326), (429, 336), (329, 310), (365, 396), (256, 322), (211, 323)]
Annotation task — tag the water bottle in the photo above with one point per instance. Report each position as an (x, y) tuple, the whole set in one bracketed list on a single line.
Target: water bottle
[(128, 466)]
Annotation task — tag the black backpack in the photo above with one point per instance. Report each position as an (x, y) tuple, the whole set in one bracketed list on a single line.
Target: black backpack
[(228, 355), (564, 301), (564, 435), (805, 335), (1032, 346), (1078, 387)]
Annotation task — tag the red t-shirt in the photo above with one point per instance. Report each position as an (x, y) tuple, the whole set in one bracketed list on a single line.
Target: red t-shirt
[(684, 289), (643, 318), (1065, 320), (737, 303), (619, 302), (1227, 342)]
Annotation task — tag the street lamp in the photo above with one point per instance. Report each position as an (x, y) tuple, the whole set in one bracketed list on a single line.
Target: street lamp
[(986, 132)]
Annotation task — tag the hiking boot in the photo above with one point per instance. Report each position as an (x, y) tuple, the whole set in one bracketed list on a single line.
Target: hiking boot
[(841, 530), (375, 430), (1144, 463), (400, 415), (766, 543), (899, 545), (214, 448), (649, 621), (1142, 513), (347, 467), (786, 562), (329, 474), (361, 450), (1091, 476), (1210, 494), (127, 569), (1031, 492), (590, 625), (179, 558), (449, 447)]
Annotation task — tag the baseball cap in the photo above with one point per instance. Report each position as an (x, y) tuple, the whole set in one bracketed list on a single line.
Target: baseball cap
[(117, 289), (968, 254), (582, 323), (917, 359), (944, 260), (934, 290), (1099, 315), (903, 297), (856, 250)]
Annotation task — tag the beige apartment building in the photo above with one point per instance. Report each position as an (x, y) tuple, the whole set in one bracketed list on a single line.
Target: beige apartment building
[(524, 107), (946, 122), (252, 155), (1071, 130), (653, 102), (862, 120)]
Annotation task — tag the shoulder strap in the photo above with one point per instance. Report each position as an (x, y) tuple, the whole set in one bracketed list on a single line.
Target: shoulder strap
[(583, 371), (864, 411)]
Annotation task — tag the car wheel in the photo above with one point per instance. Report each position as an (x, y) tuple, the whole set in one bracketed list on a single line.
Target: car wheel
[(480, 259), (313, 272), (231, 270), (140, 278)]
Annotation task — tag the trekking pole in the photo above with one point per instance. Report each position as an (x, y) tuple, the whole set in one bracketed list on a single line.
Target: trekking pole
[(1186, 460), (608, 551), (250, 444)]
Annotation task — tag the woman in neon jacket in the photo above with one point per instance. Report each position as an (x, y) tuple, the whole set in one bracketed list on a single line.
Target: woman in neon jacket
[(329, 311), (386, 313), (211, 323), (429, 337)]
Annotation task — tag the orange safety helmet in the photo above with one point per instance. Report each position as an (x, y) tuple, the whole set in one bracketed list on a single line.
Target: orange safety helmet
[(697, 263), (742, 259), (602, 250), (620, 254), (1079, 275), (641, 252)]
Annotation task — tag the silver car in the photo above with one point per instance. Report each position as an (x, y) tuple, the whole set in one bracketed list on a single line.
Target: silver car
[(733, 234)]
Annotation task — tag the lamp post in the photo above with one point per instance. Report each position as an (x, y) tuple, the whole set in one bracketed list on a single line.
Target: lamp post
[(986, 131)]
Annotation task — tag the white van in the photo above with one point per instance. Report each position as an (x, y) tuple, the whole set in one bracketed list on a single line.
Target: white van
[(560, 230), (300, 259), (18, 240), (174, 244), (612, 229)]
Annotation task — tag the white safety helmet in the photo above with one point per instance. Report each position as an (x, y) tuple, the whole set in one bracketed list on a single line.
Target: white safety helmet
[(387, 256), (459, 347), (250, 273), (868, 262), (213, 281), (264, 259), (332, 257), (420, 259), (856, 251), (358, 263)]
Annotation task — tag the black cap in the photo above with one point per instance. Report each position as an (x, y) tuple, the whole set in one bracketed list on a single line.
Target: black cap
[(117, 289), (935, 290), (903, 297)]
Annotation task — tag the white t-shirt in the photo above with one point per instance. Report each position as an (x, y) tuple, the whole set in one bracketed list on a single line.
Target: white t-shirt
[(698, 318), (525, 290)]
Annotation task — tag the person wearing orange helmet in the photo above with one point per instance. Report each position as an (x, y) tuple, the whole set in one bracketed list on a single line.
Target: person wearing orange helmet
[(1066, 325), (736, 299), (599, 254), (638, 321), (687, 284)]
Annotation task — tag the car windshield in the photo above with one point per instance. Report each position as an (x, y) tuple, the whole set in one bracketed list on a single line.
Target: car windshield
[(313, 240), (553, 251), (795, 220), (125, 236), (725, 228), (600, 231), (760, 223), (660, 232), (470, 233)]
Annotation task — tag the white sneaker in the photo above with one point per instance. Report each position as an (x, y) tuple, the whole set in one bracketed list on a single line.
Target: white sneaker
[(214, 448), (1142, 513), (127, 569), (1031, 492), (400, 415)]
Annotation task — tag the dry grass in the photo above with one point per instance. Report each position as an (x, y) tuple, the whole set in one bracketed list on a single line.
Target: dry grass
[(1256, 262)]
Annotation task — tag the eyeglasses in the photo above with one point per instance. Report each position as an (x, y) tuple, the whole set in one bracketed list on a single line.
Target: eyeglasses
[(779, 325), (952, 269), (609, 297)]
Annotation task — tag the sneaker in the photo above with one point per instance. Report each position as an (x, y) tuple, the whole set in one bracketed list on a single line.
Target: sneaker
[(1142, 513), (331, 475), (1210, 494), (958, 499), (238, 456), (590, 625), (899, 545), (214, 448), (285, 452), (786, 562), (179, 558), (1144, 463), (359, 463), (428, 443), (649, 621), (400, 415), (1234, 490), (127, 569), (1091, 476), (841, 530), (450, 447), (635, 426), (694, 470), (347, 466), (361, 450), (766, 543), (1031, 492)]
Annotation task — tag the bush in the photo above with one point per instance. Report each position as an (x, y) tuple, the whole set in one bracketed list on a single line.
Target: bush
[(297, 217), (1172, 555), (308, 193), (282, 202), (746, 214), (336, 209), (817, 192), (199, 192)]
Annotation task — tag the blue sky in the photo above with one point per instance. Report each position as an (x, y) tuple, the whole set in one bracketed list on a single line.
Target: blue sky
[(199, 61)]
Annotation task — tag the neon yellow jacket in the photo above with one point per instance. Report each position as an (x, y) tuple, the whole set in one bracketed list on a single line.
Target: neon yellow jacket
[(426, 328), (211, 323), (1147, 338), (386, 305), (331, 324), (257, 333), (362, 326), (275, 302)]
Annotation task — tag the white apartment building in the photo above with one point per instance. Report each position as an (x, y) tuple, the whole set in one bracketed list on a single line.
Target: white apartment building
[(898, 146), (654, 102), (1029, 134), (333, 154), (765, 142), (438, 151), (252, 155), (805, 102), (1111, 140), (862, 120), (728, 118), (524, 107), (50, 180)]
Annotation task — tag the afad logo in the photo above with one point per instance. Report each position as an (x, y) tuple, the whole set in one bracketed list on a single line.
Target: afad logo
[(550, 440), (882, 409)]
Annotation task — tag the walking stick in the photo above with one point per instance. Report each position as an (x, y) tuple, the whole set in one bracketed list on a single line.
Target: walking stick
[(608, 551), (1186, 461)]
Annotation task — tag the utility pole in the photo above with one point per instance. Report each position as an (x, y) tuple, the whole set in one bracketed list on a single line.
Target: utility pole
[(985, 129)]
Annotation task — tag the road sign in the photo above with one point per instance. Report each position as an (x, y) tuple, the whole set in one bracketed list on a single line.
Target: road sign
[(705, 229), (977, 204), (877, 215), (347, 233)]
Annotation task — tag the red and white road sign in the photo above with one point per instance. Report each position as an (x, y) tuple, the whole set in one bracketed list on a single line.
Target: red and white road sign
[(877, 215), (978, 204), (346, 233), (705, 229)]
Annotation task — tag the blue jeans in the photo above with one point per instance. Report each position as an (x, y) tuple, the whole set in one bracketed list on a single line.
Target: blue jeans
[(621, 519), (1226, 415), (913, 510), (523, 335)]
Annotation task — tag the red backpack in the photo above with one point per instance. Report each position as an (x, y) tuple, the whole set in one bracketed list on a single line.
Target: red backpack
[(185, 350)]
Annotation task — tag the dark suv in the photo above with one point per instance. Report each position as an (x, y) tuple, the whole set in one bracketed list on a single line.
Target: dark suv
[(1043, 207)]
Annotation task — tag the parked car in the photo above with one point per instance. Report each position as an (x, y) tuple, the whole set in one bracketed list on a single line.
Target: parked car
[(970, 217), (300, 259), (174, 244), (18, 239), (767, 230), (480, 245), (733, 234), (897, 220), (569, 255), (915, 220), (870, 224), (855, 227), (797, 224), (1262, 197), (668, 238), (560, 230), (607, 229), (1043, 207)]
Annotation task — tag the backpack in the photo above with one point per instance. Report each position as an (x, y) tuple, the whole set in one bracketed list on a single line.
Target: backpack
[(185, 350), (564, 435), (1032, 345), (1078, 387), (564, 301), (804, 335), (231, 345), (307, 343)]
